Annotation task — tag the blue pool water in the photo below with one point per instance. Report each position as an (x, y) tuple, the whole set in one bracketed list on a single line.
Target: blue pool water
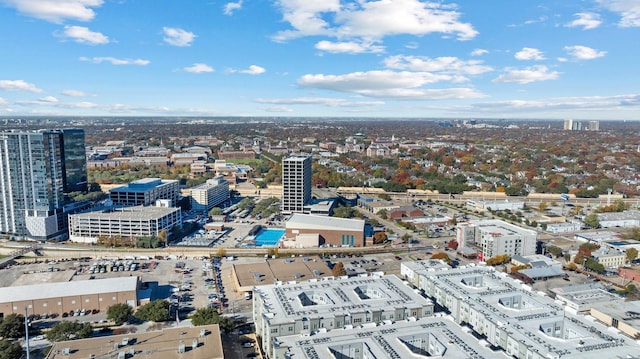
[(269, 237)]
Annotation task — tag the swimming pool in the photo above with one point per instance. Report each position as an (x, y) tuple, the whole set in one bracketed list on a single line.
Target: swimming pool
[(269, 237)]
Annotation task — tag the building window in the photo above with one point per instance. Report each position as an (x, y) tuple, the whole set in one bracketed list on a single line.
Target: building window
[(73, 302), (274, 330), (290, 329), (44, 305)]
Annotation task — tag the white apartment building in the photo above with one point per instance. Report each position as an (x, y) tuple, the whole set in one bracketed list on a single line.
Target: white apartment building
[(128, 222), (495, 237), (524, 323), (312, 307), (209, 194), (296, 183)]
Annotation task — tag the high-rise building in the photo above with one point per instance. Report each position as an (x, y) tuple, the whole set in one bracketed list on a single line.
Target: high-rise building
[(75, 161), (34, 168), (296, 183)]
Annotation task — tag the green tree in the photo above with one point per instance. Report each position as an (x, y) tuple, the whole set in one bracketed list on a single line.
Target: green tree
[(215, 211), (382, 213), (12, 326), (66, 330), (592, 221), (10, 350), (344, 212), (207, 316), (338, 269), (405, 238), (155, 311), (556, 251), (119, 313), (631, 254)]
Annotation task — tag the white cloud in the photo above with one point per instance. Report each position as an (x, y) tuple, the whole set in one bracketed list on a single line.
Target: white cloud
[(278, 109), (178, 37), (479, 52), (252, 70), (405, 85), (529, 53), (561, 103), (83, 35), (370, 20), (115, 61), (56, 11), (629, 11), (586, 20), (349, 47), (198, 68), (326, 101), (73, 93), (2, 101), (451, 65), (18, 85), (527, 75), (230, 7), (48, 100), (583, 52)]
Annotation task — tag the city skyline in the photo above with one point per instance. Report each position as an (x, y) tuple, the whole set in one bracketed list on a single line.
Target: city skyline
[(403, 58)]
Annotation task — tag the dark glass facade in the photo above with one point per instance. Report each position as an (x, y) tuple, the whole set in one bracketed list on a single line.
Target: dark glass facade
[(74, 163)]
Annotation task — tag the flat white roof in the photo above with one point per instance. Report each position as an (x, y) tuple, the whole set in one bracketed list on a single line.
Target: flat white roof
[(307, 221), (67, 289)]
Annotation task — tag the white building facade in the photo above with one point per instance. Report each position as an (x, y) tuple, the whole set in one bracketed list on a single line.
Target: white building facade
[(496, 237), (209, 194), (127, 222)]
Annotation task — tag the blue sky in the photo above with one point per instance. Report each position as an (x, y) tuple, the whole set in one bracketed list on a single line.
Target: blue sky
[(385, 58)]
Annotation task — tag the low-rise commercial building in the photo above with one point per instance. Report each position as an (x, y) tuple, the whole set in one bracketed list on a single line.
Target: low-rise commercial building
[(126, 222), (202, 342), (494, 205), (63, 297), (145, 192), (209, 194), (624, 316), (316, 306), (626, 219), (609, 258), (333, 231), (582, 297)]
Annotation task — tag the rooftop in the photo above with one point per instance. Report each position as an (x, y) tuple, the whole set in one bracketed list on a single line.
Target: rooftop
[(161, 344), (65, 289), (129, 213), (437, 337), (142, 185), (529, 317), (307, 221), (280, 269), (343, 296)]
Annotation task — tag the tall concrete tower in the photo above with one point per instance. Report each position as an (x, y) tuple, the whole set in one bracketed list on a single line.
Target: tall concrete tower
[(296, 183)]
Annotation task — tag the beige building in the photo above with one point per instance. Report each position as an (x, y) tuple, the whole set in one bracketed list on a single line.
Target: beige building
[(49, 298), (332, 231), (610, 258), (201, 342), (624, 316), (270, 271)]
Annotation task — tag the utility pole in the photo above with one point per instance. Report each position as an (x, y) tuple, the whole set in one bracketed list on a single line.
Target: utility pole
[(26, 330)]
